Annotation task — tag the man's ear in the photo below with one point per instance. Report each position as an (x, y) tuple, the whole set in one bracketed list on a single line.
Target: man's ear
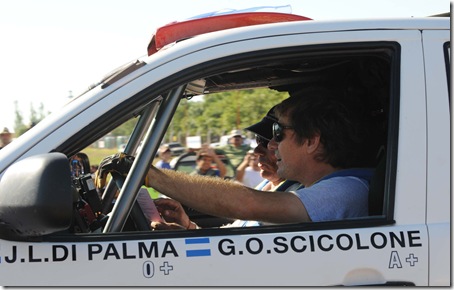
[(313, 143)]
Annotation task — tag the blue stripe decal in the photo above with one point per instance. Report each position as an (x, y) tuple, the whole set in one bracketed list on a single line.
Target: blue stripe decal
[(197, 241), (198, 253)]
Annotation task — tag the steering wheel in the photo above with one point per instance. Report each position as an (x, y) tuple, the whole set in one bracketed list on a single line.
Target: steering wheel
[(118, 166)]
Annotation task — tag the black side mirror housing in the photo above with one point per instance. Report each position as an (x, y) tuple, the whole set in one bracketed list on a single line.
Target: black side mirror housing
[(36, 197)]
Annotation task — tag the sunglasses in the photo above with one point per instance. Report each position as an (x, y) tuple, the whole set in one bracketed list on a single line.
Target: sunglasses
[(278, 131), (261, 141)]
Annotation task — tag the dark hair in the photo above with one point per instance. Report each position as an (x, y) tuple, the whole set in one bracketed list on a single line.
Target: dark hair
[(85, 161), (335, 118)]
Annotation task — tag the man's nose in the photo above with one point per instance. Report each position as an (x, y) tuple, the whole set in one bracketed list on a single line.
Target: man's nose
[(260, 150), (272, 145)]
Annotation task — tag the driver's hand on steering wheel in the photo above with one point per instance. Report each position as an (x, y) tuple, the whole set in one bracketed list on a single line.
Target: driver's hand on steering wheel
[(166, 226), (173, 213)]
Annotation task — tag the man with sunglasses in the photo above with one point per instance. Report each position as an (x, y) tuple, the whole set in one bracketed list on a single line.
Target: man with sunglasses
[(267, 158), (173, 212), (318, 140)]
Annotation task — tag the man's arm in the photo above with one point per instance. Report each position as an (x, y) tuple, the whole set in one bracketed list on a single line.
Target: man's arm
[(242, 168), (227, 199)]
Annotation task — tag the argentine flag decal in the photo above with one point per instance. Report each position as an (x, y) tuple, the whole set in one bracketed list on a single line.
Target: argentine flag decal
[(199, 247)]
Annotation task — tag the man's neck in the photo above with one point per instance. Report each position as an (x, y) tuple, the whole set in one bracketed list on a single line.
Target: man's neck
[(322, 171), (275, 183)]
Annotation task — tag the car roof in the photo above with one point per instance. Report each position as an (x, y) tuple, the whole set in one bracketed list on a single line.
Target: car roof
[(302, 26), (231, 35), (181, 30), (228, 81)]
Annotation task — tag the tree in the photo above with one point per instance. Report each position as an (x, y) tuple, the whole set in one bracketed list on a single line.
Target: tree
[(19, 126), (215, 115), (125, 129), (35, 117)]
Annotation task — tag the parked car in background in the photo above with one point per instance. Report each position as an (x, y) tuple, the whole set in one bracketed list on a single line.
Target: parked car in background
[(176, 148), (224, 140)]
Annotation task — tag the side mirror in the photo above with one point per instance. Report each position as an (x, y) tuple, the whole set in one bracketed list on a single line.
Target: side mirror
[(36, 197)]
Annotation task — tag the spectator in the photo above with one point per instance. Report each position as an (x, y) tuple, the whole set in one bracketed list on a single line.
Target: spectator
[(235, 150), (5, 137), (248, 172), (80, 164), (165, 155), (204, 160)]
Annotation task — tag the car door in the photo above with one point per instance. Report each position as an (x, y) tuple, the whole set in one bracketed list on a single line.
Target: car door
[(437, 63)]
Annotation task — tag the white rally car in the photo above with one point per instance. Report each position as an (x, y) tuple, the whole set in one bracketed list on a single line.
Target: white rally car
[(52, 234)]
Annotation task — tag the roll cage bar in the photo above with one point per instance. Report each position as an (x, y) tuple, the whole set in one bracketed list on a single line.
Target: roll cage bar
[(130, 188)]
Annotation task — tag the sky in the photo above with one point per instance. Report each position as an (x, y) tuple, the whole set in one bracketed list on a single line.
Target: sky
[(51, 49)]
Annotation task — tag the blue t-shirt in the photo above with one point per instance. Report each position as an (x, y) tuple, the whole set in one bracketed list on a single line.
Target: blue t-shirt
[(162, 164), (342, 194), (286, 185)]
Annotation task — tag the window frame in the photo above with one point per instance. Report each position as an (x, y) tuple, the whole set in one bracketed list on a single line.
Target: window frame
[(215, 66)]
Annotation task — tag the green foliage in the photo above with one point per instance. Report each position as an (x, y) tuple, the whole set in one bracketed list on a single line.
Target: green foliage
[(19, 127), (215, 115), (35, 117), (208, 116), (125, 129)]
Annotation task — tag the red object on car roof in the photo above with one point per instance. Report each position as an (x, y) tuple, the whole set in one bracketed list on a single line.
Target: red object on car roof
[(180, 30)]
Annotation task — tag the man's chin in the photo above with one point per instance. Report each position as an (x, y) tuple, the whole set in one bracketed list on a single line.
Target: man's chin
[(281, 172), (265, 167), (265, 174)]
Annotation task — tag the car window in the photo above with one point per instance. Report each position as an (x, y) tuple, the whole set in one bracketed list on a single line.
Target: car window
[(224, 103)]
